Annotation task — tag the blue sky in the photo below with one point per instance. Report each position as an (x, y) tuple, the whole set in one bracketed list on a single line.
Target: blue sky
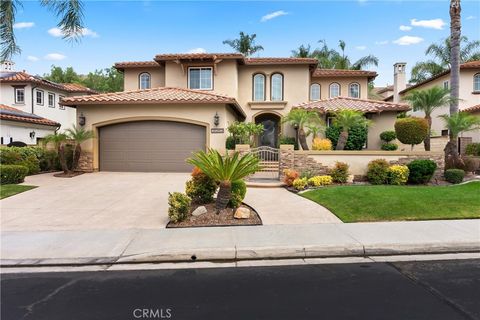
[(137, 30)]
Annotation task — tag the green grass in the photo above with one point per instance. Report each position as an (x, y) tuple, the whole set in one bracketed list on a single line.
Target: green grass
[(8, 190), (393, 203)]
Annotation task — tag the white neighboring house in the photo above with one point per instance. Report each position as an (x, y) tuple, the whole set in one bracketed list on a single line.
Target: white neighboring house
[(38, 97)]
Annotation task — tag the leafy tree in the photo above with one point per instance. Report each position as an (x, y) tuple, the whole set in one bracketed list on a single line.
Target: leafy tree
[(357, 136), (104, 80), (304, 51), (411, 130), (299, 119), (78, 135), (347, 119), (244, 133), (59, 140), (245, 44), (58, 75)]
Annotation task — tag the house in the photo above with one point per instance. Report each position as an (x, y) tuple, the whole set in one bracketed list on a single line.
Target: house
[(179, 103), (38, 97)]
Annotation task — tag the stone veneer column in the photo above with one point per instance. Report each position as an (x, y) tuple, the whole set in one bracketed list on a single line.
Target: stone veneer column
[(287, 158), (242, 148), (85, 163)]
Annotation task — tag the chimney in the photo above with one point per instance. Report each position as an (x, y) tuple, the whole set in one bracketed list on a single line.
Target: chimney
[(399, 80), (7, 66)]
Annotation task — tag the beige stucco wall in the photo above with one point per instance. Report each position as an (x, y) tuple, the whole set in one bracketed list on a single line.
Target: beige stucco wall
[(131, 77), (344, 83)]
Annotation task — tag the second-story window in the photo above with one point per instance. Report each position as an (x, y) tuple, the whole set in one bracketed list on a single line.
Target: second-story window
[(354, 90), (145, 80), (314, 92), (476, 82), (334, 90), (259, 87), (39, 97), (20, 95), (200, 78), (51, 100), (276, 87)]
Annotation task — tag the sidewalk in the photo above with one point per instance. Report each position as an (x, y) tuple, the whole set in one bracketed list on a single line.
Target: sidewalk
[(78, 247)]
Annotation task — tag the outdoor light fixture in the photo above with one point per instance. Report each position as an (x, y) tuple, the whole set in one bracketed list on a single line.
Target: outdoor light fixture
[(32, 134), (216, 119), (81, 119)]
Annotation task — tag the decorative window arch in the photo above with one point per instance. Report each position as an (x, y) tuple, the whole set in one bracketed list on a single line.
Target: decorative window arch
[(476, 82), (259, 86), (354, 90), (145, 80), (315, 92), (276, 87), (334, 90)]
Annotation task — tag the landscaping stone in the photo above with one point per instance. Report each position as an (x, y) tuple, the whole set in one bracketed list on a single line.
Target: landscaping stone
[(199, 211), (350, 178), (242, 213)]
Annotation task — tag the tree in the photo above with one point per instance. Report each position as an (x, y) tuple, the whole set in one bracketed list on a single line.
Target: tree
[(59, 140), (70, 13), (245, 44), (304, 51), (225, 169), (58, 75), (411, 130), (347, 119), (332, 59), (314, 129), (429, 100), (103, 80), (299, 119), (78, 135)]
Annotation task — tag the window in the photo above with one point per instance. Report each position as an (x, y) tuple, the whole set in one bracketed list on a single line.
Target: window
[(20, 95), (258, 87), (200, 78), (444, 132), (60, 106), (330, 121), (314, 92), (51, 100), (445, 85), (276, 87), (145, 82), (476, 82), (354, 90), (39, 97), (334, 90)]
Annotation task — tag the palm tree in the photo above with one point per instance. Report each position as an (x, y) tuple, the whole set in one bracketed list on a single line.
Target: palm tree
[(59, 140), (245, 44), (70, 13), (304, 51), (78, 135), (299, 119), (225, 170), (427, 101), (347, 119), (332, 59), (314, 129)]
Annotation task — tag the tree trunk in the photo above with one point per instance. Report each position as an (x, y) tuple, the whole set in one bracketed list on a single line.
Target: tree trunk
[(224, 195), (77, 152), (302, 138), (342, 140), (62, 159), (426, 142)]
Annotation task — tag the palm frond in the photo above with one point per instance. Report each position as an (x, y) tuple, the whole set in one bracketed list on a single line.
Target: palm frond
[(460, 122), (428, 100), (70, 13), (8, 9)]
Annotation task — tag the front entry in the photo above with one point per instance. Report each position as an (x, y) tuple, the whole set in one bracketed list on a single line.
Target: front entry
[(271, 125)]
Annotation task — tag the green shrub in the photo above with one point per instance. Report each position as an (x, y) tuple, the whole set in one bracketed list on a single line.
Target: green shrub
[(377, 172), (23, 156), (454, 175), (32, 163), (339, 172), (389, 146), (473, 149), (48, 160), (239, 190), (288, 140), (300, 183), (421, 171), (11, 173), (357, 136), (9, 155), (178, 206), (411, 130), (201, 187), (397, 174), (388, 136), (318, 181), (307, 174), (230, 143)]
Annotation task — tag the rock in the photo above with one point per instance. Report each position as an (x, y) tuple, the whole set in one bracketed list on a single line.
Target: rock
[(242, 213), (199, 211), (350, 178)]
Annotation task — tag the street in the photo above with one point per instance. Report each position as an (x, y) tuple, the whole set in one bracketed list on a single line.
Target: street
[(402, 290)]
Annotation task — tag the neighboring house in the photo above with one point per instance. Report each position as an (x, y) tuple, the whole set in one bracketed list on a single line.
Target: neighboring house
[(179, 103)]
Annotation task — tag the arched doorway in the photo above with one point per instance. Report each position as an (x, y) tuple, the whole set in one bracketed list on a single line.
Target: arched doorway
[(271, 125)]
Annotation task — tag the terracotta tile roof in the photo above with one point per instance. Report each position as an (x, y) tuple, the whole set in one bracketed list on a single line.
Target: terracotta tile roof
[(23, 77), (197, 56), (13, 114), (363, 105), (75, 87), (328, 73), (261, 61), (136, 64), (473, 109)]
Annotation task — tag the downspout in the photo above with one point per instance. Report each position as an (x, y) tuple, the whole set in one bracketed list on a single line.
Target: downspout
[(33, 110)]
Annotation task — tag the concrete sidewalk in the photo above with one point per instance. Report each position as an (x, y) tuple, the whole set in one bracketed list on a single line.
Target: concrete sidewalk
[(76, 247)]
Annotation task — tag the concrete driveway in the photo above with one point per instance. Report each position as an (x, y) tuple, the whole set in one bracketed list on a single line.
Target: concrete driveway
[(118, 200)]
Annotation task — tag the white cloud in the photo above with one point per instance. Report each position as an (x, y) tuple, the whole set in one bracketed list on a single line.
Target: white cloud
[(32, 58), (432, 24), (361, 47), (23, 25), (381, 43), (405, 28), (408, 40), (55, 56), (273, 15), (57, 32), (197, 50), (470, 18)]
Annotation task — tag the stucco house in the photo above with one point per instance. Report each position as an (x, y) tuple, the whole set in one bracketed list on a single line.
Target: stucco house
[(179, 103)]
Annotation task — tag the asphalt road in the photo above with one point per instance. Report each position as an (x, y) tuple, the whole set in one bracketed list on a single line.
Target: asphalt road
[(408, 290)]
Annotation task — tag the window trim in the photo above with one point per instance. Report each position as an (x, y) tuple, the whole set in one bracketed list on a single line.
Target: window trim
[(140, 80), (200, 67), (476, 75), (319, 91), (15, 90), (37, 91), (48, 100), (271, 86), (359, 90), (330, 89), (264, 86)]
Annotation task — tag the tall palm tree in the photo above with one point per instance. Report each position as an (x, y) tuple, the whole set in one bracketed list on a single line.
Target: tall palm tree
[(347, 119), (299, 119), (304, 51), (332, 59), (78, 135), (429, 100), (59, 140), (225, 170), (70, 13), (245, 44)]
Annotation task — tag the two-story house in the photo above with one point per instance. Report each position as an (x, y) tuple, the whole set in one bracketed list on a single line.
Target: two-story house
[(179, 103)]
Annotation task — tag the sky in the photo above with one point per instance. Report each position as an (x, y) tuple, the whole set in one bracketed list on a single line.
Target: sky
[(393, 31)]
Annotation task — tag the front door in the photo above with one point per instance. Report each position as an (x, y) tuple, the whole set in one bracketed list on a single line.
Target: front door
[(271, 124)]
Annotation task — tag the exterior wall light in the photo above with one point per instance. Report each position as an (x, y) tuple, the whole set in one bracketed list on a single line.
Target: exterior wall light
[(32, 135), (216, 119), (81, 120)]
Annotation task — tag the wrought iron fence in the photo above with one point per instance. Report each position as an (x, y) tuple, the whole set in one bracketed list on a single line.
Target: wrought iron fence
[(269, 162)]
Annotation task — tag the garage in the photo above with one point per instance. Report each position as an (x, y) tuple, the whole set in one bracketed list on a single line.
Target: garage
[(149, 146)]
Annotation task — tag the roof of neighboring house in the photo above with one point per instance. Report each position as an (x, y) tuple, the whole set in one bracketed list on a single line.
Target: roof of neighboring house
[(363, 105), (22, 77), (136, 64), (381, 90), (473, 109), (263, 61), (328, 73), (197, 56), (13, 114), (75, 87)]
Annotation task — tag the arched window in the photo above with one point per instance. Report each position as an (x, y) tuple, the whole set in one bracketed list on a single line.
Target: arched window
[(314, 92), (354, 90), (334, 90), (145, 82), (476, 82), (276, 87), (258, 87)]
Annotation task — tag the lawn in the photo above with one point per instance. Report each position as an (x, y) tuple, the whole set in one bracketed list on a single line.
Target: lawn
[(8, 190), (390, 203)]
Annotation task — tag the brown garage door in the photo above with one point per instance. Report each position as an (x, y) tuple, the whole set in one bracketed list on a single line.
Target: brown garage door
[(149, 146)]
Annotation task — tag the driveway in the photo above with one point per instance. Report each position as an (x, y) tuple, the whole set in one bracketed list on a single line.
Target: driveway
[(121, 200)]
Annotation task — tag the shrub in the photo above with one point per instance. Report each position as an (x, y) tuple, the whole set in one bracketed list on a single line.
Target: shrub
[(421, 171), (48, 160), (389, 146), (397, 174), (178, 206), (377, 172), (322, 144), (339, 172), (239, 190), (411, 130), (357, 136), (230, 143), (9, 155), (300, 183), (307, 174), (454, 175), (288, 140), (290, 176), (23, 156), (11, 173), (470, 164), (473, 149), (201, 187), (388, 136), (318, 181)]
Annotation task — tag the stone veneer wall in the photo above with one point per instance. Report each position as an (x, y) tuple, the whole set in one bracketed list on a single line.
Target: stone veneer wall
[(85, 163)]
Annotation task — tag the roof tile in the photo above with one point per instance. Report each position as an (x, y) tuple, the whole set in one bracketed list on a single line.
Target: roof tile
[(363, 105), (473, 109), (327, 73), (13, 114), (14, 77)]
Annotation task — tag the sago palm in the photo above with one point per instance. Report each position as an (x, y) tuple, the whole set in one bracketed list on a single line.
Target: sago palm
[(245, 44), (78, 135), (225, 170), (300, 118), (59, 140), (345, 120)]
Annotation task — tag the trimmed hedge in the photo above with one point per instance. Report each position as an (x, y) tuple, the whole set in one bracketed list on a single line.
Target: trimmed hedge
[(421, 171), (357, 136), (388, 136), (389, 146), (239, 190), (377, 172), (178, 206), (12, 174), (454, 175), (411, 130)]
